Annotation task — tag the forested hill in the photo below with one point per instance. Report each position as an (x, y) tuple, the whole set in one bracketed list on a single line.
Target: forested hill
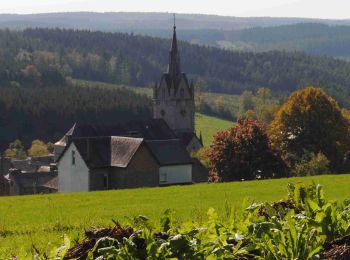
[(313, 38), (31, 56), (136, 21), (48, 113)]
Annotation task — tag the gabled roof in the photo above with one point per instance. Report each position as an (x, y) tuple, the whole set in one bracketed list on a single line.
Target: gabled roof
[(111, 151), (169, 152), (37, 179), (187, 137), (116, 151)]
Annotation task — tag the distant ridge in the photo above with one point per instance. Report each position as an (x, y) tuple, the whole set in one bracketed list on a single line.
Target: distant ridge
[(130, 21)]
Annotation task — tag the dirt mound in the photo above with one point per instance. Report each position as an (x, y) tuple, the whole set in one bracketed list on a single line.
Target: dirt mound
[(80, 251), (338, 249)]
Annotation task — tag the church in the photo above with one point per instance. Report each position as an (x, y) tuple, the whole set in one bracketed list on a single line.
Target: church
[(132, 154)]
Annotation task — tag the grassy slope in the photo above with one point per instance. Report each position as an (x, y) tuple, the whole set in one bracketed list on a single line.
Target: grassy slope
[(44, 218), (208, 126)]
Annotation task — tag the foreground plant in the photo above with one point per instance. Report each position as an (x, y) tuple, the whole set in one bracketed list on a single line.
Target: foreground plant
[(302, 226)]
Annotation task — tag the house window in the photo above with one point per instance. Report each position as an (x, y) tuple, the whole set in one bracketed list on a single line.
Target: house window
[(105, 181), (73, 157), (163, 178)]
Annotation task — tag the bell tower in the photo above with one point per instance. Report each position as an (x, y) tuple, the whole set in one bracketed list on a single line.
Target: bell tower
[(173, 97)]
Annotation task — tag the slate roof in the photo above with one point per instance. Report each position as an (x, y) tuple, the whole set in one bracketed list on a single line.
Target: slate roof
[(186, 137), (28, 179), (117, 151), (169, 152), (153, 129), (32, 164), (111, 151)]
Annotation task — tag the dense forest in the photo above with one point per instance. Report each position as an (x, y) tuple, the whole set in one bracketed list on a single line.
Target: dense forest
[(46, 57), (48, 113), (39, 99)]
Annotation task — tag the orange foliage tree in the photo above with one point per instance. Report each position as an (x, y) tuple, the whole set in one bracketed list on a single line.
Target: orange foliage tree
[(311, 121)]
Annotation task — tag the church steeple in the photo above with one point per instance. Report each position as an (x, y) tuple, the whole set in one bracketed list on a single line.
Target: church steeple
[(174, 68), (173, 97)]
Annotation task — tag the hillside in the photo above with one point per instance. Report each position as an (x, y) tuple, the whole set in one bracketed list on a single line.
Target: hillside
[(48, 113), (43, 219), (208, 126), (139, 61), (314, 36)]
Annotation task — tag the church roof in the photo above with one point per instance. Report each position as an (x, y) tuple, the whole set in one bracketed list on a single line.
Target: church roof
[(153, 129), (174, 67)]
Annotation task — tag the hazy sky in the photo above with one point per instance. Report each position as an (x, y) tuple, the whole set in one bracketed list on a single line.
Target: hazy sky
[(337, 9)]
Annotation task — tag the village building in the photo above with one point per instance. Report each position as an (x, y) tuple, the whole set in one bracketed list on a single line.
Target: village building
[(32, 175), (101, 163), (32, 164), (27, 183), (141, 153)]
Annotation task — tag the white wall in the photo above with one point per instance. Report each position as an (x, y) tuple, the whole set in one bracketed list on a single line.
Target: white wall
[(72, 178), (175, 174)]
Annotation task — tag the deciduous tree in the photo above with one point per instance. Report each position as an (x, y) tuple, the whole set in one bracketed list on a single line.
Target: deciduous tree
[(244, 152), (311, 120), (38, 148)]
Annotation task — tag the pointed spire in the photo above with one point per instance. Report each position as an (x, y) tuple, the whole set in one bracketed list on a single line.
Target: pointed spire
[(174, 58), (201, 138)]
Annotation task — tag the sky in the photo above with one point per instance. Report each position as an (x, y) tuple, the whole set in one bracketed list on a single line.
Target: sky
[(335, 9)]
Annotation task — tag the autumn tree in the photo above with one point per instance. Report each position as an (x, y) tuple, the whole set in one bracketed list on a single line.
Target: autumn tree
[(266, 106), (246, 102), (244, 152), (16, 150), (311, 121), (38, 148)]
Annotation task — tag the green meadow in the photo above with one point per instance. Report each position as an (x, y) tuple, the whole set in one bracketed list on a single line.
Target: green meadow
[(42, 220), (209, 126)]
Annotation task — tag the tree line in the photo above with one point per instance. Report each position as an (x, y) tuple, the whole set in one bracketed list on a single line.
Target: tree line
[(48, 113), (54, 54), (309, 134)]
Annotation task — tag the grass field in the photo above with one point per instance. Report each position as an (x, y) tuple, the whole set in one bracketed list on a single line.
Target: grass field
[(209, 126), (43, 219)]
